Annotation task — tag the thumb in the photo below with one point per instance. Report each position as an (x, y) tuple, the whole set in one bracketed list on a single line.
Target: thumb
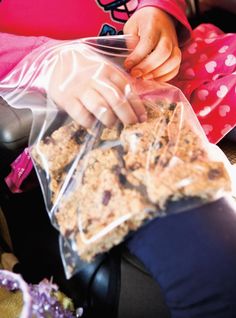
[(144, 46), (130, 32)]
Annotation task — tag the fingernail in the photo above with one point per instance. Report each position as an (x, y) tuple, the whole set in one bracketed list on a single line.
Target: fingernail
[(143, 118), (129, 64), (136, 73), (148, 77)]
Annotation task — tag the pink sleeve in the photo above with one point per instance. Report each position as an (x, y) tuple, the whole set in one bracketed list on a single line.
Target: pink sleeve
[(176, 8), (13, 48)]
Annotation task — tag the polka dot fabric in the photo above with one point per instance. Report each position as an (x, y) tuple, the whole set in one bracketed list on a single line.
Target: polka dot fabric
[(207, 77)]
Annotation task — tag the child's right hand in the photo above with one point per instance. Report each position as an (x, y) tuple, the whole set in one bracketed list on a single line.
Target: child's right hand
[(89, 87)]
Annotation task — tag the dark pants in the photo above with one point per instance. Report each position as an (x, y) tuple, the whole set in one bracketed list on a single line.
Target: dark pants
[(192, 255)]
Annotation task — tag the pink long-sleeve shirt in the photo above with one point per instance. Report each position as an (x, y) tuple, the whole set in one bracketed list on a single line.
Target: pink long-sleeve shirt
[(36, 22)]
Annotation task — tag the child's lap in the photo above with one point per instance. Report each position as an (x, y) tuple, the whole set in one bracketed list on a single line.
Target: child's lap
[(208, 79), (192, 255)]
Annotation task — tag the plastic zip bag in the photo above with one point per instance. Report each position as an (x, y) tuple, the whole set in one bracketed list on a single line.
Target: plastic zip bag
[(101, 184)]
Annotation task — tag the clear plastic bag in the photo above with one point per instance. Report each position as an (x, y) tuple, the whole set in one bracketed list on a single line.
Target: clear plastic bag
[(101, 184)]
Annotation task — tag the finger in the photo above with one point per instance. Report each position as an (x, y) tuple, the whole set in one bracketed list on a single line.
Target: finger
[(138, 107), (160, 54), (168, 77), (144, 47), (79, 113), (168, 66), (98, 106), (133, 98), (118, 102)]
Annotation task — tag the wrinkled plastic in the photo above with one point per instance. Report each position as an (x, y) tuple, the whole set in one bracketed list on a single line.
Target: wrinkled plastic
[(101, 184)]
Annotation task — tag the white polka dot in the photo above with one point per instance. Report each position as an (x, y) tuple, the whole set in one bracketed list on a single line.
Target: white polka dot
[(205, 111), (222, 92), (210, 66), (213, 35), (202, 94), (201, 28), (223, 49), (192, 48), (208, 41), (207, 129), (224, 110), (190, 73), (230, 60), (203, 58)]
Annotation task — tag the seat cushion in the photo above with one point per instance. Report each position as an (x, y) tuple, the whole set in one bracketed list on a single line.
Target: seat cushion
[(15, 126)]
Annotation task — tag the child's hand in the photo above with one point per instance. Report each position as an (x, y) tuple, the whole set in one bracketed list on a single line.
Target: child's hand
[(87, 87), (157, 55)]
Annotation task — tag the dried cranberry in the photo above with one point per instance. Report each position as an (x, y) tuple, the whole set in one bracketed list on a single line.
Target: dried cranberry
[(214, 174), (135, 166), (47, 140), (122, 179), (172, 106), (106, 197), (156, 159), (79, 136)]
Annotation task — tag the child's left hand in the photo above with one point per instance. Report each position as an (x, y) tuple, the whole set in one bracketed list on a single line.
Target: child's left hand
[(157, 55)]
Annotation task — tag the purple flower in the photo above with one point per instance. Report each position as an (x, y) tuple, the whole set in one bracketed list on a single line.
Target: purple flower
[(39, 301)]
